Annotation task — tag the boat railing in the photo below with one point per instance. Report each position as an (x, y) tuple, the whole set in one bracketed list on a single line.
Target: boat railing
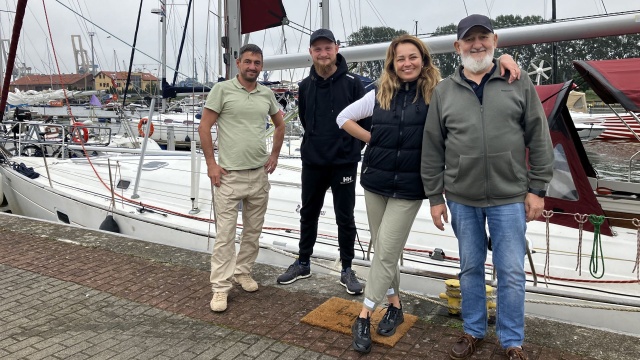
[(35, 138), (633, 132)]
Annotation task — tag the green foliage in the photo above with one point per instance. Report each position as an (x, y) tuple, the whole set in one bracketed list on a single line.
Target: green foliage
[(611, 47), (371, 35)]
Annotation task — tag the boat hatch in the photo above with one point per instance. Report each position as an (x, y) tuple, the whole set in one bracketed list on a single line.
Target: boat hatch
[(123, 184), (63, 217), (154, 165)]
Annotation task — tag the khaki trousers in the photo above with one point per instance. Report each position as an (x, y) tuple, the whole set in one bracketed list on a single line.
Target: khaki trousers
[(390, 222), (251, 187)]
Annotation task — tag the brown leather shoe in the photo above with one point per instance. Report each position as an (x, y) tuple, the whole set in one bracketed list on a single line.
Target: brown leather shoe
[(464, 347), (516, 353)]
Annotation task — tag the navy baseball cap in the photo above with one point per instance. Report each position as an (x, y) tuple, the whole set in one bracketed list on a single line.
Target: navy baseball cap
[(473, 20), (322, 34)]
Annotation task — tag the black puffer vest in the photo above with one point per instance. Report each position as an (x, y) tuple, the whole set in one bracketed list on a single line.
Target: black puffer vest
[(391, 164)]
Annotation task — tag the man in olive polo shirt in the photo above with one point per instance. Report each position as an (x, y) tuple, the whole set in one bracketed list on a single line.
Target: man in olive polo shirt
[(239, 107)]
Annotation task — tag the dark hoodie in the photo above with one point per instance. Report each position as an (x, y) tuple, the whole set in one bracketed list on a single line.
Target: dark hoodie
[(320, 102)]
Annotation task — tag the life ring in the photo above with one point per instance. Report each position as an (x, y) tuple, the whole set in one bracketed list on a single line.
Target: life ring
[(75, 133), (51, 132), (141, 129)]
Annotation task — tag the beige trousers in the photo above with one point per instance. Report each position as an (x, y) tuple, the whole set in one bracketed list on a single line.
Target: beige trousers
[(251, 189), (390, 222)]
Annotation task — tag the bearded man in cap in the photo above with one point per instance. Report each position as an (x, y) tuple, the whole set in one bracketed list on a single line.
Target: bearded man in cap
[(329, 155), (486, 145)]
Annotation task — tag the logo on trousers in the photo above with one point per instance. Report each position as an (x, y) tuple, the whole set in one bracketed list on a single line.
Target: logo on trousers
[(347, 180)]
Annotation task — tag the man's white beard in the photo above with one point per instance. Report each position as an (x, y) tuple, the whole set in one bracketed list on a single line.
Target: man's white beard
[(477, 66)]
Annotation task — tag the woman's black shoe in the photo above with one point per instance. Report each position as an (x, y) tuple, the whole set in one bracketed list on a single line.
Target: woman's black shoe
[(361, 332), (390, 321)]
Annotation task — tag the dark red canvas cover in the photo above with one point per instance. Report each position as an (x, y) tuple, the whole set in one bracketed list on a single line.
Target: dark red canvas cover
[(614, 81), (571, 162), (258, 15)]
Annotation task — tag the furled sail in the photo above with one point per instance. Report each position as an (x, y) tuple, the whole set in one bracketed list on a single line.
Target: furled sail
[(258, 15)]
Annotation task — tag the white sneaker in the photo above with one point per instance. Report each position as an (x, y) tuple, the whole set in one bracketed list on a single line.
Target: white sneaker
[(219, 302), (247, 283)]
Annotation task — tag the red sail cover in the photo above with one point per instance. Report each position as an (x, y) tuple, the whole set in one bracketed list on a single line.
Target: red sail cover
[(256, 15), (614, 81), (569, 191)]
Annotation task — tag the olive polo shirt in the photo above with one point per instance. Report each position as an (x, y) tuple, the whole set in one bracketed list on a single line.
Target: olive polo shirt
[(242, 123)]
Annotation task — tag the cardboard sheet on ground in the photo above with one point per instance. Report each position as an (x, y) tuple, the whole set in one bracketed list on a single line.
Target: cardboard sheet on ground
[(338, 314)]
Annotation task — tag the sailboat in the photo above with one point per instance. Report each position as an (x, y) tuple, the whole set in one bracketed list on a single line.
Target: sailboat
[(165, 197)]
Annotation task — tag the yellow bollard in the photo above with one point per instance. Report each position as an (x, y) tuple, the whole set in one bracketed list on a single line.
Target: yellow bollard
[(453, 297)]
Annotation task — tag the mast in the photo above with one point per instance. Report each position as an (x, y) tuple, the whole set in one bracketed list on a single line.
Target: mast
[(206, 45), (324, 4), (13, 49), (162, 12), (554, 50), (220, 52), (1, 60), (232, 11)]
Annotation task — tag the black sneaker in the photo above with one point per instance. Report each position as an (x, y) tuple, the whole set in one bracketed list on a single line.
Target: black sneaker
[(390, 321), (361, 332), (294, 272), (349, 280)]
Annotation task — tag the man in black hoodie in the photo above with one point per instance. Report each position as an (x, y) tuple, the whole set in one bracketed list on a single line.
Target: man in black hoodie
[(330, 156)]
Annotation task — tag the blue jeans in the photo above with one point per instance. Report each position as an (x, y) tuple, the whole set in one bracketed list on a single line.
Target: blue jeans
[(507, 227)]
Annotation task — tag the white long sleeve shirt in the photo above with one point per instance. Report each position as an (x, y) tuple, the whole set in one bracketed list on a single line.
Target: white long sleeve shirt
[(358, 110)]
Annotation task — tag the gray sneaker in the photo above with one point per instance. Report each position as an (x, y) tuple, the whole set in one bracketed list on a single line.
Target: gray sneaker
[(294, 272), (349, 280)]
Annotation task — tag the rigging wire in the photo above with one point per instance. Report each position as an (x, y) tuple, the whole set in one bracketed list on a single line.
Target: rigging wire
[(303, 21), (488, 9), (377, 13), (55, 56), (21, 59), (115, 36), (344, 29), (84, 34)]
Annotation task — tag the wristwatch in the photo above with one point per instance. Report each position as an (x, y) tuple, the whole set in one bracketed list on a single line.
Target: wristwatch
[(539, 192)]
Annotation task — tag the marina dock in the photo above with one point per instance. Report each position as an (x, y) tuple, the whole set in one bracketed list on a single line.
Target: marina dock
[(72, 293)]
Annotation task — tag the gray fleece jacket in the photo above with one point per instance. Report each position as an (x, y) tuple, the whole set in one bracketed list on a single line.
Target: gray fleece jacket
[(477, 153)]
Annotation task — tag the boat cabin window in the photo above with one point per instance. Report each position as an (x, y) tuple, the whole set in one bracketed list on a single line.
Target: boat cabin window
[(123, 184), (154, 165), (562, 185)]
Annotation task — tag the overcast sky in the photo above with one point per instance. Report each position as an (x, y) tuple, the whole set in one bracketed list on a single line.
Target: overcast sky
[(112, 20)]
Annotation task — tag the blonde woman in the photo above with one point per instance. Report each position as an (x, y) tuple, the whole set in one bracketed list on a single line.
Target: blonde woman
[(390, 173)]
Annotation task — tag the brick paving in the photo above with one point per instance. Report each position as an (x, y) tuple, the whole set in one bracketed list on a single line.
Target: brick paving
[(74, 300)]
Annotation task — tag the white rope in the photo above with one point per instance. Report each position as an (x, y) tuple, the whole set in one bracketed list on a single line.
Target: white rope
[(581, 219), (547, 215)]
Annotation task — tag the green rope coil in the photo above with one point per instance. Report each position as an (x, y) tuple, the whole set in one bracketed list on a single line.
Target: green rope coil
[(597, 256)]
